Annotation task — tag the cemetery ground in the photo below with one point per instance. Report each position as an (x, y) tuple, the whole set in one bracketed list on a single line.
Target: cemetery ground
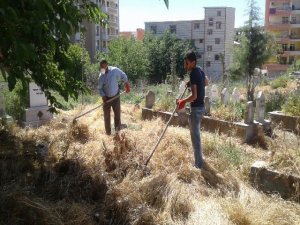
[(65, 173)]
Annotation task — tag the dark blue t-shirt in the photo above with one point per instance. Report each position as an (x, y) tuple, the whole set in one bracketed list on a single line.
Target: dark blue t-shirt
[(197, 77)]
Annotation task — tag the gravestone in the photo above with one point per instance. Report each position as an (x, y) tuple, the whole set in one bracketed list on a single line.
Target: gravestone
[(235, 97), (38, 111), (206, 91), (150, 99), (207, 105), (224, 96), (249, 113), (260, 107), (214, 93)]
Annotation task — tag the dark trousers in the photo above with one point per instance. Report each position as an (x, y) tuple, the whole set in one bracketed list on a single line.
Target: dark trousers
[(116, 106)]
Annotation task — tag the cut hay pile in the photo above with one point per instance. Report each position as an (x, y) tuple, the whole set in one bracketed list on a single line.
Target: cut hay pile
[(91, 178)]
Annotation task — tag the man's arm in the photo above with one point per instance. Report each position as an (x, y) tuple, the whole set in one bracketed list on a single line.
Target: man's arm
[(192, 96), (206, 81), (124, 78)]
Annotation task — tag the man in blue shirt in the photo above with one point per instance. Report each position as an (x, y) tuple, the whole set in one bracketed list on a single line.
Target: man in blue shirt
[(198, 81), (110, 79)]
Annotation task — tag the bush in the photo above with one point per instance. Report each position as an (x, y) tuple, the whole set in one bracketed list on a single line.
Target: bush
[(274, 101), (280, 82), (16, 101), (292, 105), (231, 112)]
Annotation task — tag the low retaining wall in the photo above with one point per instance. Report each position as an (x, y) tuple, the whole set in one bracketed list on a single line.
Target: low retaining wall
[(273, 182), (242, 130), (290, 123)]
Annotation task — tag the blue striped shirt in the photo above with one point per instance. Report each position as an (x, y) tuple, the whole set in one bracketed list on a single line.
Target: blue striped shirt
[(109, 82)]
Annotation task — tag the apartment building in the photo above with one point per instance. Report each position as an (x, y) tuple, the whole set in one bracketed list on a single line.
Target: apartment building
[(97, 37), (282, 18), (212, 36), (139, 34)]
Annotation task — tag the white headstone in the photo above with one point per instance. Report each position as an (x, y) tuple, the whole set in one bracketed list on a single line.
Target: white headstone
[(214, 93), (249, 113), (235, 97), (36, 96), (260, 107), (225, 96)]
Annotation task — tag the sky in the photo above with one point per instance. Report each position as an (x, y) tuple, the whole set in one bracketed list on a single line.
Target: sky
[(134, 13)]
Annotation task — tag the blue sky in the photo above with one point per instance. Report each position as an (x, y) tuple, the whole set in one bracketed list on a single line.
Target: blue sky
[(133, 13)]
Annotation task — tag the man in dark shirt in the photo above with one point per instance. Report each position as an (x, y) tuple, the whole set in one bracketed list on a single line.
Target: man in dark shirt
[(198, 81)]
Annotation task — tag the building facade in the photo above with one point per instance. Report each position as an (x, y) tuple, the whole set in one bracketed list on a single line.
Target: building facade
[(97, 37), (282, 18), (139, 34), (213, 37)]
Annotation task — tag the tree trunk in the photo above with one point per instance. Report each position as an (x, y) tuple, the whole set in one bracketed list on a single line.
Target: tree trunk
[(250, 87)]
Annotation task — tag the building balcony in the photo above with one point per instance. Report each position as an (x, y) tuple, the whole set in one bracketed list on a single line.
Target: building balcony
[(104, 8), (104, 36), (281, 1), (113, 10), (112, 23), (285, 40), (279, 26), (113, 36), (280, 12), (291, 52)]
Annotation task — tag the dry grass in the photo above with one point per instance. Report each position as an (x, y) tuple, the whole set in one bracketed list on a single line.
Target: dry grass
[(91, 178)]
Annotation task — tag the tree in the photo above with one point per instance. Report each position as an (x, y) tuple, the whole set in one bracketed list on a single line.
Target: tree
[(34, 40), (161, 51), (256, 47), (130, 56)]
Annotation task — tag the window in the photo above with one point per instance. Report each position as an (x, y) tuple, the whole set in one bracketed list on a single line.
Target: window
[(116, 5), (153, 29), (285, 20), (199, 56), (98, 45), (294, 20), (196, 26), (217, 57), (211, 21), (97, 30), (201, 41), (292, 47), (284, 47), (209, 31), (218, 25), (217, 41), (207, 63), (209, 48), (108, 31), (104, 44), (173, 29), (117, 32), (107, 4), (193, 42), (219, 13)]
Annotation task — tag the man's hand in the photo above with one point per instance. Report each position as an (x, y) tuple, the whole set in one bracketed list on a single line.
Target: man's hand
[(104, 99), (127, 87), (181, 103)]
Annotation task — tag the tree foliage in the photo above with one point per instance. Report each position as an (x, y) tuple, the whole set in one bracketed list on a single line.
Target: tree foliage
[(256, 47), (150, 59), (34, 43), (162, 52), (130, 56)]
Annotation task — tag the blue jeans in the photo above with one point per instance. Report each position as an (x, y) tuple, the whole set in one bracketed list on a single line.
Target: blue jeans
[(194, 123)]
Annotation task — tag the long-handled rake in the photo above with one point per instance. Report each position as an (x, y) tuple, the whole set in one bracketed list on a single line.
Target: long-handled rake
[(163, 133), (110, 100)]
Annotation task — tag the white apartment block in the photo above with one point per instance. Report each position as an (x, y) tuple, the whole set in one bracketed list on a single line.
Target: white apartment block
[(97, 37), (213, 37)]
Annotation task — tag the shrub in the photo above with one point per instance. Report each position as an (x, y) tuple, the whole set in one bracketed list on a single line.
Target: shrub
[(230, 112), (274, 101), (280, 82), (16, 101), (292, 105)]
